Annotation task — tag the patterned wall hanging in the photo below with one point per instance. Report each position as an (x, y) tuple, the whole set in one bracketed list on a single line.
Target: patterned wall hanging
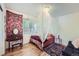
[(13, 21)]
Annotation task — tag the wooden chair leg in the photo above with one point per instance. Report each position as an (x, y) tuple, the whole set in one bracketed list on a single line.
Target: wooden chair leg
[(12, 48)]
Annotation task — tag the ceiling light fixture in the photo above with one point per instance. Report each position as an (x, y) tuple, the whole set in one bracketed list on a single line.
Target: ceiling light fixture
[(46, 8)]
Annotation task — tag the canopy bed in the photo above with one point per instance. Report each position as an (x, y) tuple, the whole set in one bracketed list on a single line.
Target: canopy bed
[(49, 45)]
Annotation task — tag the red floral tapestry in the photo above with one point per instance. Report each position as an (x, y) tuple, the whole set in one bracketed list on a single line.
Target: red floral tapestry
[(13, 20)]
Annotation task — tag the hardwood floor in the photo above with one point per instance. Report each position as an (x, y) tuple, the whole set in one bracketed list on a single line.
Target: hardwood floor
[(27, 50)]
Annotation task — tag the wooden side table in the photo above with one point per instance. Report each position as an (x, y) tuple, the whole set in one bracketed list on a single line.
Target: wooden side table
[(12, 46)]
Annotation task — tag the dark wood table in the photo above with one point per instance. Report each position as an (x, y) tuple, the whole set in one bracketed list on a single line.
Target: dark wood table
[(16, 43)]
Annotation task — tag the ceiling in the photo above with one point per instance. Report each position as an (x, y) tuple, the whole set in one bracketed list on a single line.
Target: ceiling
[(65, 8), (33, 9), (25, 8)]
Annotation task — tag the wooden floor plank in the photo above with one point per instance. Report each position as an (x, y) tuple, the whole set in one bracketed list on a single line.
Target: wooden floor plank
[(27, 50)]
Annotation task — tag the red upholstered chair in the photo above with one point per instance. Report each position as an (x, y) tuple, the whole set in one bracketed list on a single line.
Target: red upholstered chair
[(35, 39), (50, 39)]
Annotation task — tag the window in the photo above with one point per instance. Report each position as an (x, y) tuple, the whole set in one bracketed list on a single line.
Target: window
[(29, 27)]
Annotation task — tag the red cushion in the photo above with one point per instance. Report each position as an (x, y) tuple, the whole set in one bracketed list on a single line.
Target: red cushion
[(49, 41)]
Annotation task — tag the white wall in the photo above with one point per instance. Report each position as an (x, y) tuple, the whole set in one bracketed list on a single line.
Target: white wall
[(2, 36), (69, 26)]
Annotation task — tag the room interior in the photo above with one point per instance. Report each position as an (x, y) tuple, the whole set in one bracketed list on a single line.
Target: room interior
[(39, 29)]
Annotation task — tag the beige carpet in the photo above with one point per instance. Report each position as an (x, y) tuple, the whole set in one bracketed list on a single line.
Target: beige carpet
[(28, 50)]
